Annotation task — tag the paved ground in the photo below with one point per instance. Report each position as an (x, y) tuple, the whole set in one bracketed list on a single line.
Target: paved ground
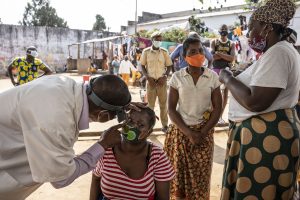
[(80, 188)]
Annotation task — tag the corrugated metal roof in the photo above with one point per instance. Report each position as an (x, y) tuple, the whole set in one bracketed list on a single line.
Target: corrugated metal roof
[(98, 40)]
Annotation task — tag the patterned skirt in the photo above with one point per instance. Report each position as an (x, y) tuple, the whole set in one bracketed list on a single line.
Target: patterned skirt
[(192, 164), (262, 157)]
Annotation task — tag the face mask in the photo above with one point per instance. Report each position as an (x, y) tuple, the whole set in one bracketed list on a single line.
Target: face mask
[(258, 43), (156, 44), (195, 60), (33, 53), (131, 134), (223, 33)]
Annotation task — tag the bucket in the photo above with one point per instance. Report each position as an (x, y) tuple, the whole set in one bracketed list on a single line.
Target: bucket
[(86, 78)]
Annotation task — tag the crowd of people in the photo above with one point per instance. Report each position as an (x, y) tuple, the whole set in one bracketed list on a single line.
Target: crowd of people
[(262, 155)]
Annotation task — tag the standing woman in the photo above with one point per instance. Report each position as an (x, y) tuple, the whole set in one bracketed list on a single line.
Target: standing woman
[(263, 145), (194, 104)]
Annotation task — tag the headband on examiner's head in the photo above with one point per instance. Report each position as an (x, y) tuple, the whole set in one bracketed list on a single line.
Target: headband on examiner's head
[(120, 110)]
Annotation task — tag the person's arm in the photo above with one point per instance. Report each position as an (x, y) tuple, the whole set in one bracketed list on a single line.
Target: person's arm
[(46, 69), (229, 58), (162, 190), (253, 98), (88, 160), (213, 51), (10, 74), (176, 53), (208, 56), (169, 68), (95, 190), (216, 99)]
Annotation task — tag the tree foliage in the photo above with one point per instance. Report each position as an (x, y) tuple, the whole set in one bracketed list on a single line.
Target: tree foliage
[(40, 13), (99, 25), (172, 35), (175, 35)]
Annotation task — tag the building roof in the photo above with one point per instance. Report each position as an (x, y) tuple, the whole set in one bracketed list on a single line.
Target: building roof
[(98, 40)]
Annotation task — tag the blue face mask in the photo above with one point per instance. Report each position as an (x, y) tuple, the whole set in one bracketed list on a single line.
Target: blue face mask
[(131, 134)]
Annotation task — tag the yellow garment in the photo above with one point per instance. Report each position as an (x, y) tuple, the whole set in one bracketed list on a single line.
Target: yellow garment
[(92, 70), (135, 75), (156, 61), (125, 78), (238, 31), (27, 71)]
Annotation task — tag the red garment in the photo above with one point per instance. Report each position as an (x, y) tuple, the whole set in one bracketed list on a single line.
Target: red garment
[(115, 184)]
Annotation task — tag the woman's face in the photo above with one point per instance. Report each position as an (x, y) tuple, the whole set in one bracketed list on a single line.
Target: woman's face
[(140, 120), (194, 49), (256, 29)]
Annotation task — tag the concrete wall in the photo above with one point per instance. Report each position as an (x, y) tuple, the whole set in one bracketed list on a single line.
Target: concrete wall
[(52, 43)]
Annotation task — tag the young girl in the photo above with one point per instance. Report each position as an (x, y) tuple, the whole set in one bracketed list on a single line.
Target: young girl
[(136, 169)]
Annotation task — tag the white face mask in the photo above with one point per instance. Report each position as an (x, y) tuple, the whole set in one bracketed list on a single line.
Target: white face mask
[(33, 53), (156, 44)]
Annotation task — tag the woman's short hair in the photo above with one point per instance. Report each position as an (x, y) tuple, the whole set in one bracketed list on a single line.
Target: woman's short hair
[(151, 115), (187, 42)]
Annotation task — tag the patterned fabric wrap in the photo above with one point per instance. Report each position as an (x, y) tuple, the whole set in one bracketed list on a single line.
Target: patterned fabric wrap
[(192, 164), (262, 157), (275, 12), (27, 71)]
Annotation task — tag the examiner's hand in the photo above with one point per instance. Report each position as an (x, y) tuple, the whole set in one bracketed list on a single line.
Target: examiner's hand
[(111, 137)]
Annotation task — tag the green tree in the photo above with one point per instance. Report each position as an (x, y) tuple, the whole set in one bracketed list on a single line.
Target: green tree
[(99, 25), (175, 35), (40, 13)]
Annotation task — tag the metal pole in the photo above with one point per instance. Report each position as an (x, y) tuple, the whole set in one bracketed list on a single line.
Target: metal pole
[(135, 27)]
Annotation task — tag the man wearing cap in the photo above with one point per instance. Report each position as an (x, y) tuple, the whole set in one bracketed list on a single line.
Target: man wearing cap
[(178, 53), (27, 67), (156, 65), (37, 147)]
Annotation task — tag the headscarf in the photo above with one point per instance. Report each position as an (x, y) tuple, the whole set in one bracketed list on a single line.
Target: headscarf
[(275, 12)]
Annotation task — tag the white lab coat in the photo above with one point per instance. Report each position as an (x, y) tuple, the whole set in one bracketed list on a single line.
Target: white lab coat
[(38, 128)]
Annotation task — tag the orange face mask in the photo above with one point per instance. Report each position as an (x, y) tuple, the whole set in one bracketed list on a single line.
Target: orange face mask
[(195, 60)]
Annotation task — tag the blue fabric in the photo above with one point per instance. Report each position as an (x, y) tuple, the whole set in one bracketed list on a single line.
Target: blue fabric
[(178, 53)]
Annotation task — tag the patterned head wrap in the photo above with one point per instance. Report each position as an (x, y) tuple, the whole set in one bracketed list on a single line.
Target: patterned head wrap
[(275, 12)]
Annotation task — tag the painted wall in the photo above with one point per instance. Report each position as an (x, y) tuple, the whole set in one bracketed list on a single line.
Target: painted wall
[(52, 43)]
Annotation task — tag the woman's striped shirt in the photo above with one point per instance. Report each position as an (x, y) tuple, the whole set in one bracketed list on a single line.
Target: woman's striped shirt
[(115, 184)]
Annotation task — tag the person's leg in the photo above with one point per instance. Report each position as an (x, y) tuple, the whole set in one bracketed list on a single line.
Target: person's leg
[(162, 99), (151, 95)]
